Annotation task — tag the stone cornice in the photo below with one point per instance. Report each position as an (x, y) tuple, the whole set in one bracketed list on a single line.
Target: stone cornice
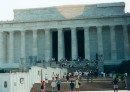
[(33, 21), (34, 25)]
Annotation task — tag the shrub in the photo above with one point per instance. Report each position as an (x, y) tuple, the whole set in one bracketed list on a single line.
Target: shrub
[(124, 67)]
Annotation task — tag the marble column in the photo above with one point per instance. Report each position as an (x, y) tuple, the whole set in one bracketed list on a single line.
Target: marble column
[(23, 56), (113, 43), (2, 50), (100, 49), (35, 49), (11, 47), (74, 43), (126, 42), (87, 43), (60, 44), (100, 42), (47, 45)]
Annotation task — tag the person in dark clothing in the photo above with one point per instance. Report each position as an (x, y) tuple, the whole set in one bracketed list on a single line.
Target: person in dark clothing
[(115, 84), (71, 86), (67, 77), (58, 85)]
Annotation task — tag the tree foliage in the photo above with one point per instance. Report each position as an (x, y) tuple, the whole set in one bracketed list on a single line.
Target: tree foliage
[(124, 67)]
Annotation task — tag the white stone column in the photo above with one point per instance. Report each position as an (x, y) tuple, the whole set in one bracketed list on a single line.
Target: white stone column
[(60, 44), (87, 43), (35, 50), (100, 42), (23, 56), (113, 43), (11, 47), (126, 42), (2, 50), (100, 49), (74, 51), (47, 45)]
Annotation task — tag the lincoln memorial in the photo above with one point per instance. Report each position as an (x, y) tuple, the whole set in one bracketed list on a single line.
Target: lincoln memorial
[(69, 32)]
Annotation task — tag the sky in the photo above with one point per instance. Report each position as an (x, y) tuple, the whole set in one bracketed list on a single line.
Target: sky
[(7, 6)]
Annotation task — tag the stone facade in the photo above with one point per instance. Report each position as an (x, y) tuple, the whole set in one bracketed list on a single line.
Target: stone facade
[(105, 31)]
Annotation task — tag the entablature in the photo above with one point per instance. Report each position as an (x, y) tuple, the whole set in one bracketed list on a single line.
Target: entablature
[(18, 25)]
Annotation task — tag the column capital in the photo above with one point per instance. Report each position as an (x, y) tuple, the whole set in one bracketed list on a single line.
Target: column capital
[(11, 32), (59, 28), (74, 28), (47, 29), (35, 30), (86, 28), (22, 31), (98, 26), (112, 27)]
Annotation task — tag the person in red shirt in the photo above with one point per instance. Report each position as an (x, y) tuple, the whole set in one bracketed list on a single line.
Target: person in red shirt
[(43, 86)]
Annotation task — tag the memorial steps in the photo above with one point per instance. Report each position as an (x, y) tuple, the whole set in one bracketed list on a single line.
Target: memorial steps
[(99, 84)]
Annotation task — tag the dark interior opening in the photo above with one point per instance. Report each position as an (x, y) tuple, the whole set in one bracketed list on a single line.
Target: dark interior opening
[(80, 43), (67, 44), (55, 45)]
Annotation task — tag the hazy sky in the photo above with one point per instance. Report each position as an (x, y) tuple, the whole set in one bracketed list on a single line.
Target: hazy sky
[(7, 6)]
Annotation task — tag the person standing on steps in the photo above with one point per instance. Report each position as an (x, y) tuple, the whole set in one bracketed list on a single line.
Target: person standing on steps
[(53, 85), (53, 76), (46, 78), (71, 86), (77, 84), (43, 86), (67, 77), (115, 84), (58, 85)]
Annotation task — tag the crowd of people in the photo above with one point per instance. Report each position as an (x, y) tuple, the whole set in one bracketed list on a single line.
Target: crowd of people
[(76, 82), (56, 83)]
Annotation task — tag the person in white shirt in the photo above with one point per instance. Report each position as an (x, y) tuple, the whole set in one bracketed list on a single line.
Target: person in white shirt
[(46, 78), (53, 85), (76, 74), (125, 75), (53, 76)]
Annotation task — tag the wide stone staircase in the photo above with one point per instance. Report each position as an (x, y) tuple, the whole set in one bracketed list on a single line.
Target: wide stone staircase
[(98, 84)]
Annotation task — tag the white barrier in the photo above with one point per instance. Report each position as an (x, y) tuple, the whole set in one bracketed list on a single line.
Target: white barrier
[(23, 81)]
